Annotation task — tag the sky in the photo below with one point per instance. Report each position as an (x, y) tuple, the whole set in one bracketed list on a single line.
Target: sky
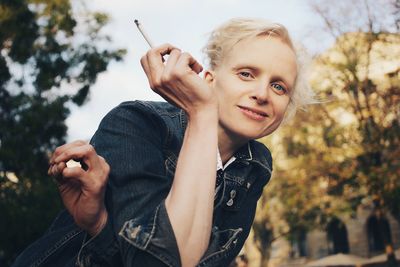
[(183, 23)]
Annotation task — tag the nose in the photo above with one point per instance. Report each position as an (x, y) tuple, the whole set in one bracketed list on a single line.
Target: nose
[(261, 94)]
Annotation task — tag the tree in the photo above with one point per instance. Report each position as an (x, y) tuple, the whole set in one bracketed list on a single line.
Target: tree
[(344, 152), (50, 57), (366, 81), (264, 228), (366, 84), (302, 189)]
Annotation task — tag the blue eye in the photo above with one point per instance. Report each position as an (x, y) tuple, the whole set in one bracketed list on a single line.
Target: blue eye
[(280, 89)]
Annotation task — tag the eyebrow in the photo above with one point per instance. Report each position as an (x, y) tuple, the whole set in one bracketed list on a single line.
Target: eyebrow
[(246, 66)]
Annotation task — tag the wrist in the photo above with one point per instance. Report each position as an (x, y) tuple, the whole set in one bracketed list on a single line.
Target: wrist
[(207, 113), (100, 224)]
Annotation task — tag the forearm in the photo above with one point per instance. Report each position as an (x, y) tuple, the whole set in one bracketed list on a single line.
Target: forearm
[(190, 201)]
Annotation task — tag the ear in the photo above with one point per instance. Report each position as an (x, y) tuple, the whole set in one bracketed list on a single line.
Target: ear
[(209, 77)]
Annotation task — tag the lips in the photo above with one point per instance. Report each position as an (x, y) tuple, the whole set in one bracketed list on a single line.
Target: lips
[(253, 113)]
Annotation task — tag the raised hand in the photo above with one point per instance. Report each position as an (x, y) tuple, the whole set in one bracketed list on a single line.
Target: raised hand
[(177, 79), (82, 189)]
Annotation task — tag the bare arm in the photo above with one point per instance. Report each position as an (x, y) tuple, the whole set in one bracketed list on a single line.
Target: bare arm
[(190, 202)]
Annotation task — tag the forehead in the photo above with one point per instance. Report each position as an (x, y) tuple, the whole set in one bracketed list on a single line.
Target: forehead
[(267, 53)]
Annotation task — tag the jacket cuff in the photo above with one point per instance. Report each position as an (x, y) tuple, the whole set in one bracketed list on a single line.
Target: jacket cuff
[(154, 234), (99, 248)]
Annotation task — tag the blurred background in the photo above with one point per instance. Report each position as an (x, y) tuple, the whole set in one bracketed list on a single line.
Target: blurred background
[(335, 192)]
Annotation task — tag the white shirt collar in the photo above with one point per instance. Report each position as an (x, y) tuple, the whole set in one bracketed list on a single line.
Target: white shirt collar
[(220, 166)]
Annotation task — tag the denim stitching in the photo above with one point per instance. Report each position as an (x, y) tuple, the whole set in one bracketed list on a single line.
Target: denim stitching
[(145, 247), (238, 179), (56, 246), (183, 122), (225, 248), (262, 165)]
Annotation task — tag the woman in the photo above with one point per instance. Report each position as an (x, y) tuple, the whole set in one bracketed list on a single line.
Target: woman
[(177, 183)]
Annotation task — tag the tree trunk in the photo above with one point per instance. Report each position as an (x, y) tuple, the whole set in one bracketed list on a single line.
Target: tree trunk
[(265, 256)]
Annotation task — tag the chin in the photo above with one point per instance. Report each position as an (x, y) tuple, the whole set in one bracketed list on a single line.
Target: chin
[(251, 133), (247, 134), (243, 131)]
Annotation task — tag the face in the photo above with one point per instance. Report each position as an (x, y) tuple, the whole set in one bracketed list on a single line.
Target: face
[(253, 85)]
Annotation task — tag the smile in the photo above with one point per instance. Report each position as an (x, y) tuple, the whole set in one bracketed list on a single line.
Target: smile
[(253, 113)]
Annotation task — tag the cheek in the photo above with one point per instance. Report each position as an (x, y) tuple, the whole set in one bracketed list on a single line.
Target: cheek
[(281, 107), (222, 92), (220, 97)]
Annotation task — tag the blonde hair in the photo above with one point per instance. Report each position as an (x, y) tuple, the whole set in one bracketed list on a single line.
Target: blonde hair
[(227, 35)]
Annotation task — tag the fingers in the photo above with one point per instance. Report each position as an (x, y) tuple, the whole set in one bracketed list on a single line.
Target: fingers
[(159, 72), (146, 68), (187, 60), (93, 181), (86, 152), (76, 173), (56, 170), (176, 79), (59, 150), (153, 63), (168, 71), (78, 151), (93, 178)]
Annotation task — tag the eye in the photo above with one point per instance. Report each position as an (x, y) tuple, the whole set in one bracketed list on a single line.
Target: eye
[(245, 75), (281, 90)]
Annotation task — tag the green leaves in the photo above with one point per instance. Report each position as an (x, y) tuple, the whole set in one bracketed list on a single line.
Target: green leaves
[(80, 97), (49, 59), (18, 31)]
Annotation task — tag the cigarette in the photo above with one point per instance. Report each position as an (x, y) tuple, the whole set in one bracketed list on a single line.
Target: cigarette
[(140, 28)]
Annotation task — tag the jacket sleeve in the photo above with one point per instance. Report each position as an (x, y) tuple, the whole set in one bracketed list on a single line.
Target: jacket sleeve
[(138, 231)]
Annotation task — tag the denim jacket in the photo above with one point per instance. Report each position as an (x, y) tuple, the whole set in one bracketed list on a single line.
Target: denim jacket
[(141, 143)]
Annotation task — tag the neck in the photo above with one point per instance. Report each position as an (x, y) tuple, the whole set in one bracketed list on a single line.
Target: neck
[(227, 144)]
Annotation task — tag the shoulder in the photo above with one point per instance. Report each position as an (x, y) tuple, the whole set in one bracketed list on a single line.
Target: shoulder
[(132, 119), (151, 108), (150, 120), (139, 113), (261, 155)]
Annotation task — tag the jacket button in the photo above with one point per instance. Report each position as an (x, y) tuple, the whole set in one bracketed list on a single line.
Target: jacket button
[(233, 193)]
